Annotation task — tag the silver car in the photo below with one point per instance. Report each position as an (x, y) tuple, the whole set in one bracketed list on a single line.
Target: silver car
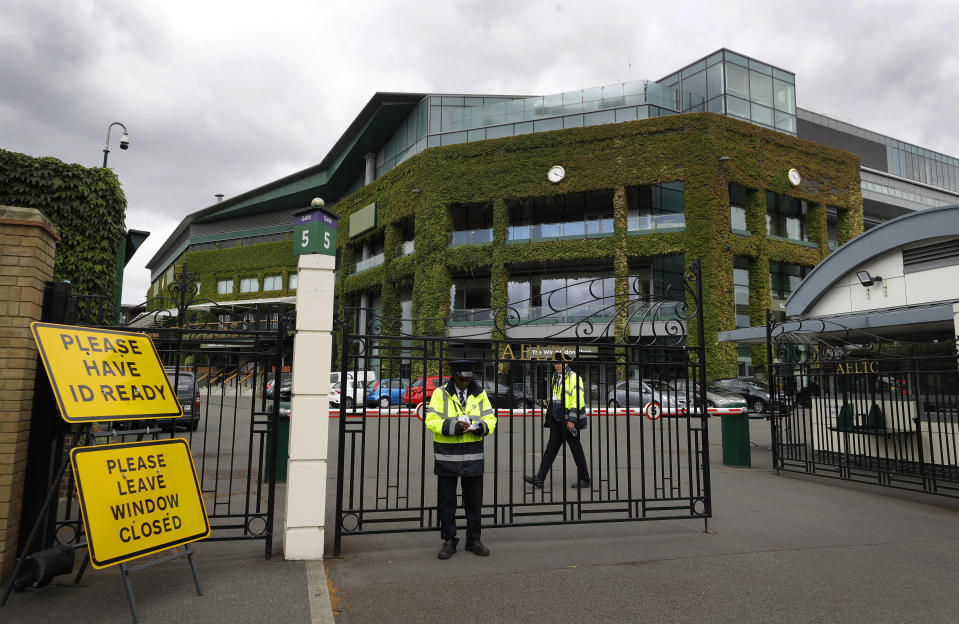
[(638, 394), (715, 396)]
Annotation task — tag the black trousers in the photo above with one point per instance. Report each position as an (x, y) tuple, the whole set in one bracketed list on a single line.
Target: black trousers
[(472, 503), (558, 433)]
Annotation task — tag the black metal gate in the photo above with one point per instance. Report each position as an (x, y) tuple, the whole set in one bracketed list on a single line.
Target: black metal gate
[(858, 407), (223, 363), (646, 437)]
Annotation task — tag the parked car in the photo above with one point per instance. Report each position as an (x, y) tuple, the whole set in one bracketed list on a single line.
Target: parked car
[(286, 381), (502, 396), (189, 397), (719, 397), (387, 392), (414, 395), (638, 394), (755, 392), (335, 394)]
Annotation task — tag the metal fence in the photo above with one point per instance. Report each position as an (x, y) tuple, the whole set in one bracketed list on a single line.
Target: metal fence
[(222, 362), (646, 444), (879, 412)]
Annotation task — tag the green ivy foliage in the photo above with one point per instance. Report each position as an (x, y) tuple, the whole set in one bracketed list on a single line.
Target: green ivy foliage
[(87, 207), (614, 157), (236, 263)]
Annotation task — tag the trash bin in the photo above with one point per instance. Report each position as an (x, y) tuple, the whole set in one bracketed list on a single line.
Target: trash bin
[(282, 423), (736, 440)]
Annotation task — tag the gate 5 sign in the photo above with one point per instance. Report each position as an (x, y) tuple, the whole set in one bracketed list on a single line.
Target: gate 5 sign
[(104, 375), (138, 498), (315, 232)]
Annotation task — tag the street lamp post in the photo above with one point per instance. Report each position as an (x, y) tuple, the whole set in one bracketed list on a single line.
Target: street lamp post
[(124, 141)]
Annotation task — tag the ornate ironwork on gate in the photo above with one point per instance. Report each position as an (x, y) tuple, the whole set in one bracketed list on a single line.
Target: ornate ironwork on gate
[(227, 365), (852, 405), (645, 440)]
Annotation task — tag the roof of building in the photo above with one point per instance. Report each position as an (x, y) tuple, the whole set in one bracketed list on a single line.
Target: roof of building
[(909, 228)]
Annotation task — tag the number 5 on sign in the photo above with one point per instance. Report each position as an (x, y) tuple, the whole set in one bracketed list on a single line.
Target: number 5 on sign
[(315, 232)]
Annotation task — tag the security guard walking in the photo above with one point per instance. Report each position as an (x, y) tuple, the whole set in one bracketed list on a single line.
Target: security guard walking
[(566, 416), (460, 415)]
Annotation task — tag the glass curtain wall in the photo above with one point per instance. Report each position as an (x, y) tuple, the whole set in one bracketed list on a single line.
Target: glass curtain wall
[(732, 84)]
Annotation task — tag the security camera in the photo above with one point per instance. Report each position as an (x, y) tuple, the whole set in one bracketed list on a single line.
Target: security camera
[(317, 202), (125, 141)]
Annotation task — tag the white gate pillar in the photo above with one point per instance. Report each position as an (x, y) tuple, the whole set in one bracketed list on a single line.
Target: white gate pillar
[(310, 415)]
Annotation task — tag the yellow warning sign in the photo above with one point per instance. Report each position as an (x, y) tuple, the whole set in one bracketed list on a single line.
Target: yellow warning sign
[(138, 498), (102, 375)]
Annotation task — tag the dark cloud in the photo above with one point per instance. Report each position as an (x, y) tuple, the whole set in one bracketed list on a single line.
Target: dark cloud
[(224, 98)]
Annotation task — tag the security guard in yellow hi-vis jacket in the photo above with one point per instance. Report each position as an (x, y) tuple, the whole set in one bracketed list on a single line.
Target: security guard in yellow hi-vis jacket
[(566, 417), (459, 416)]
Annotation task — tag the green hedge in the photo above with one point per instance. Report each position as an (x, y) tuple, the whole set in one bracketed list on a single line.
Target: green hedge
[(86, 205)]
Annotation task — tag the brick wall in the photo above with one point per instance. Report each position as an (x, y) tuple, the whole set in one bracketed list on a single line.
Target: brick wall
[(27, 246)]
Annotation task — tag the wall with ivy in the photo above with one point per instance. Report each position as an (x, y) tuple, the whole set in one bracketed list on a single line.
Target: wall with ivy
[(237, 263), (610, 157), (86, 205)]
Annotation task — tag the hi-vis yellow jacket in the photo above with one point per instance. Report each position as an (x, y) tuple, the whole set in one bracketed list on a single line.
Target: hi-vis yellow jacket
[(568, 392), (459, 454)]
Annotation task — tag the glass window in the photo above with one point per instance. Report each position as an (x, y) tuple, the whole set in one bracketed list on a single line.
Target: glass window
[(250, 284), (714, 80), (655, 206), (738, 107), (761, 114), (761, 88), (716, 105), (737, 81), (741, 290), (785, 217), (293, 281), (784, 96), (273, 282), (224, 287), (737, 218), (786, 122)]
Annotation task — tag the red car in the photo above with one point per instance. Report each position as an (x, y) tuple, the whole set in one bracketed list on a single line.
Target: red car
[(414, 394)]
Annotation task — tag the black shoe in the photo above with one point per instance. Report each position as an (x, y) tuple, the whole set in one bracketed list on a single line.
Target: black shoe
[(448, 549), (476, 547), (582, 483), (534, 481)]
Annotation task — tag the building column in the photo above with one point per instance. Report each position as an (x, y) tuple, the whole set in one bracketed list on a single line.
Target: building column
[(310, 410), (27, 247), (817, 228), (370, 172)]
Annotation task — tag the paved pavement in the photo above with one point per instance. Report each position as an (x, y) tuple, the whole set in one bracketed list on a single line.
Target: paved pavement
[(779, 548)]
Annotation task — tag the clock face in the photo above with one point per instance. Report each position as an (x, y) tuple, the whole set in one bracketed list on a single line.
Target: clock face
[(556, 173), (794, 177)]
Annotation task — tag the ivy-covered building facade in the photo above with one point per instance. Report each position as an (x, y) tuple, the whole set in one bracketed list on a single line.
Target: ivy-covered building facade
[(451, 205)]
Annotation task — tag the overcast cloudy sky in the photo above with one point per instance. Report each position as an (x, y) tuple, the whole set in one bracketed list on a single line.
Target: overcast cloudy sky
[(221, 97)]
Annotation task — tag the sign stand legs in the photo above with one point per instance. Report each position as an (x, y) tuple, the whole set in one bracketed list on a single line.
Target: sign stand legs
[(126, 571)]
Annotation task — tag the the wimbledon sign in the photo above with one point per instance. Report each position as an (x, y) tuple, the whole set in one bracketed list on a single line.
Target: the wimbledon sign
[(138, 498), (100, 375)]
